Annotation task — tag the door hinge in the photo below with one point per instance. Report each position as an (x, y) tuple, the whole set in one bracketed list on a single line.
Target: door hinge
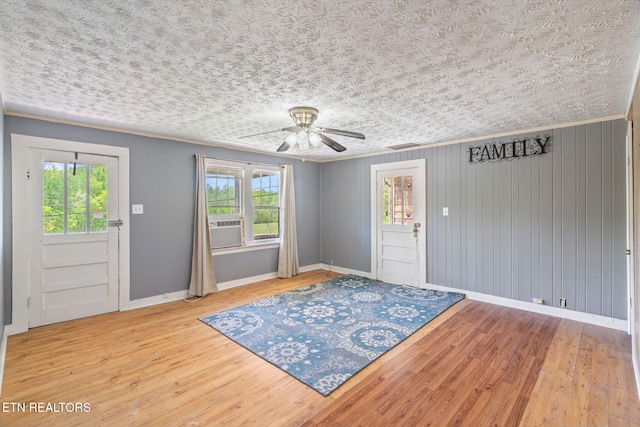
[(28, 174), (28, 303)]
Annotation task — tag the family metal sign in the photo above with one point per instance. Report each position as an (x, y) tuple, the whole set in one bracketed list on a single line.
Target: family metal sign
[(495, 151)]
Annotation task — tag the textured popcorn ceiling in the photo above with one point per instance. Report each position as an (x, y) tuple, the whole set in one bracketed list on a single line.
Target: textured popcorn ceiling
[(412, 71)]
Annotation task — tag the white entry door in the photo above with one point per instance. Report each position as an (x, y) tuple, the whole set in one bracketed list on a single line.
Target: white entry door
[(73, 248), (400, 245)]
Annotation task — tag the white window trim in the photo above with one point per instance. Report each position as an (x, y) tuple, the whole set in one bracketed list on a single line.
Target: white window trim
[(246, 248), (245, 210)]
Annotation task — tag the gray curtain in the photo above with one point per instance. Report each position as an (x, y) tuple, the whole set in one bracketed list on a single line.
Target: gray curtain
[(288, 259), (203, 279)]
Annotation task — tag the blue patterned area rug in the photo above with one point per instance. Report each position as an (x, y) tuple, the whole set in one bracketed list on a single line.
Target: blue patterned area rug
[(325, 333)]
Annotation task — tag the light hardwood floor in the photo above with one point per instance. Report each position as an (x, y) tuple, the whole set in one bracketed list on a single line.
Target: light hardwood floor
[(477, 364)]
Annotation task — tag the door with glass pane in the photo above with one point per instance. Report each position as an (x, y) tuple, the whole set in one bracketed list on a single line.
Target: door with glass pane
[(74, 252), (399, 219)]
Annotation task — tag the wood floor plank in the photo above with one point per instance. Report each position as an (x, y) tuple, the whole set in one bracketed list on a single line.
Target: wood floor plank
[(555, 378), (476, 364)]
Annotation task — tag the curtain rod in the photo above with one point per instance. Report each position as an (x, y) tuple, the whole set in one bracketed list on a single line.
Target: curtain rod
[(242, 161)]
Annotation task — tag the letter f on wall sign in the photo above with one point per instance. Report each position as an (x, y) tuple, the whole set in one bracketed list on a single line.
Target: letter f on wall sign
[(473, 152)]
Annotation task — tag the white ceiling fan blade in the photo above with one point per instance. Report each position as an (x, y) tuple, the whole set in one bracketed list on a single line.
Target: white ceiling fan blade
[(294, 129), (341, 132), (261, 133)]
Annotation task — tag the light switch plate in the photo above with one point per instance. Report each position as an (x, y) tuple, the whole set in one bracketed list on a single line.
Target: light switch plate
[(445, 211), (137, 209)]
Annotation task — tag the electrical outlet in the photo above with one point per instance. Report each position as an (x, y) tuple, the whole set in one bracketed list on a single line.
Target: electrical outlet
[(332, 262), (538, 301), (137, 209), (563, 302)]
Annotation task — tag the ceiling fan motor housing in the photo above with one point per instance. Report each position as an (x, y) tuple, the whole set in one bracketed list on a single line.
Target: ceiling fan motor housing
[(303, 116)]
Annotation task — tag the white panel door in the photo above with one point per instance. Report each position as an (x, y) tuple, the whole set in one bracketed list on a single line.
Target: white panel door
[(399, 223), (73, 262)]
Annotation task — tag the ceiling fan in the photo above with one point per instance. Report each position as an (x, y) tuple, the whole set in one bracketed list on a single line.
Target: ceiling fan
[(303, 134)]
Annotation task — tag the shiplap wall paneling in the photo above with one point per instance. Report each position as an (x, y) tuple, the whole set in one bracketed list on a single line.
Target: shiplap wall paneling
[(432, 220), (556, 264), (568, 188), (581, 225), (545, 212), (473, 267), (460, 207), (454, 220), (505, 242), (535, 213), (512, 228), (487, 227), (524, 229), (438, 197), (594, 221), (607, 221), (438, 188), (537, 227)]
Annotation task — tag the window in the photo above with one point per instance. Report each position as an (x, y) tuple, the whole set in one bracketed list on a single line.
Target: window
[(265, 200), (397, 200), (74, 198), (223, 191), (247, 192)]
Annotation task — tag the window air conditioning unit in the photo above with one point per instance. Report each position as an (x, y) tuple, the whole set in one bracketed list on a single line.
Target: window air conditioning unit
[(226, 233)]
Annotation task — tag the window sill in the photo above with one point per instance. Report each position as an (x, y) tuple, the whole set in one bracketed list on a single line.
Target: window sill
[(246, 248)]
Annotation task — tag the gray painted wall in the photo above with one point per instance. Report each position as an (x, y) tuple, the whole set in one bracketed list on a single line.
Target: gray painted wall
[(3, 321), (547, 227), (162, 179)]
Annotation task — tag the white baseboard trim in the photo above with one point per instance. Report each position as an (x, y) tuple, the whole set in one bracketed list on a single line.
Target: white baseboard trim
[(342, 270), (634, 360), (179, 295), (248, 280), (155, 300), (3, 352), (12, 330), (592, 319), (245, 281), (312, 267)]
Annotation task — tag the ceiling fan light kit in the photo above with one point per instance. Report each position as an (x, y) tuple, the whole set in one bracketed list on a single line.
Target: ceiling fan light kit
[(303, 135)]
